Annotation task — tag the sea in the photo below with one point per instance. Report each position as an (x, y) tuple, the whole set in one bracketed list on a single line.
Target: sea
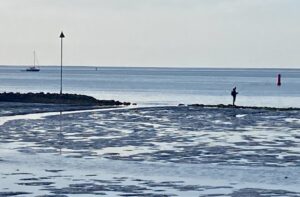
[(153, 151), (161, 86)]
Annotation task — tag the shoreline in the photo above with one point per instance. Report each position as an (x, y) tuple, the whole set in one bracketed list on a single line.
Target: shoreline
[(43, 114), (55, 98), (22, 108), (229, 106)]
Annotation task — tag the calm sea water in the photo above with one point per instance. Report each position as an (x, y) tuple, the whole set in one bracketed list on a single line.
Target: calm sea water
[(162, 86)]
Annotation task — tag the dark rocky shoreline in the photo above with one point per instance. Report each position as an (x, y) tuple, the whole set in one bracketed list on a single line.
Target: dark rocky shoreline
[(242, 107), (54, 98), (88, 101)]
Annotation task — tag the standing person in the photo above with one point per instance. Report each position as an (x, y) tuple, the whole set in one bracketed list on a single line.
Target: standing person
[(233, 94)]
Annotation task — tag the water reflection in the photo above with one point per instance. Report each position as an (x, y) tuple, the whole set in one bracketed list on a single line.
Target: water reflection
[(60, 134)]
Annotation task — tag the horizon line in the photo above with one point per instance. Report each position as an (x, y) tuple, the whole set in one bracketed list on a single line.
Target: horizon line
[(134, 66), (188, 67)]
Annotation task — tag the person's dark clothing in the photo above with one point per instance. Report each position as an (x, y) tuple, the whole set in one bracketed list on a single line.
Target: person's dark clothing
[(233, 94)]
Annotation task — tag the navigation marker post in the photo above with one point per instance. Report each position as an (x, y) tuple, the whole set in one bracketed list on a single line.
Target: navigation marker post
[(60, 139), (61, 59)]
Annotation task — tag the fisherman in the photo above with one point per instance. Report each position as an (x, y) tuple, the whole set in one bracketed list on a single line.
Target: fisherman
[(233, 94)]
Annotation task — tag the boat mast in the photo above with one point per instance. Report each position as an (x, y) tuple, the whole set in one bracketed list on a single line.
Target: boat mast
[(33, 58)]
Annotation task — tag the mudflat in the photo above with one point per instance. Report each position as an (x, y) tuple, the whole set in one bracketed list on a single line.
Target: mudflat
[(155, 151)]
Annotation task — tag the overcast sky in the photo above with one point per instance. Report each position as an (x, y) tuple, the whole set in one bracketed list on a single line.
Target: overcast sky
[(186, 33)]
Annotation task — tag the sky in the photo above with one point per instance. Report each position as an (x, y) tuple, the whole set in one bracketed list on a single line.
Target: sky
[(164, 33)]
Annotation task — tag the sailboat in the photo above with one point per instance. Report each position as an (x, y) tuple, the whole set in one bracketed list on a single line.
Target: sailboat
[(33, 68)]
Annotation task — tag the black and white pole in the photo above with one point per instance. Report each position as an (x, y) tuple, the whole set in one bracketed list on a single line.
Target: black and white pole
[(61, 59)]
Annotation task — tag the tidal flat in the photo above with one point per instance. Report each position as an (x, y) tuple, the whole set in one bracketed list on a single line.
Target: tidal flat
[(152, 151)]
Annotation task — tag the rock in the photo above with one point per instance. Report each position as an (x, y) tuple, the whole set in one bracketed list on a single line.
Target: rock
[(54, 98)]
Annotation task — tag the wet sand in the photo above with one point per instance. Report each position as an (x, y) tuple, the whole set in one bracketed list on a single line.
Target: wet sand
[(156, 151)]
